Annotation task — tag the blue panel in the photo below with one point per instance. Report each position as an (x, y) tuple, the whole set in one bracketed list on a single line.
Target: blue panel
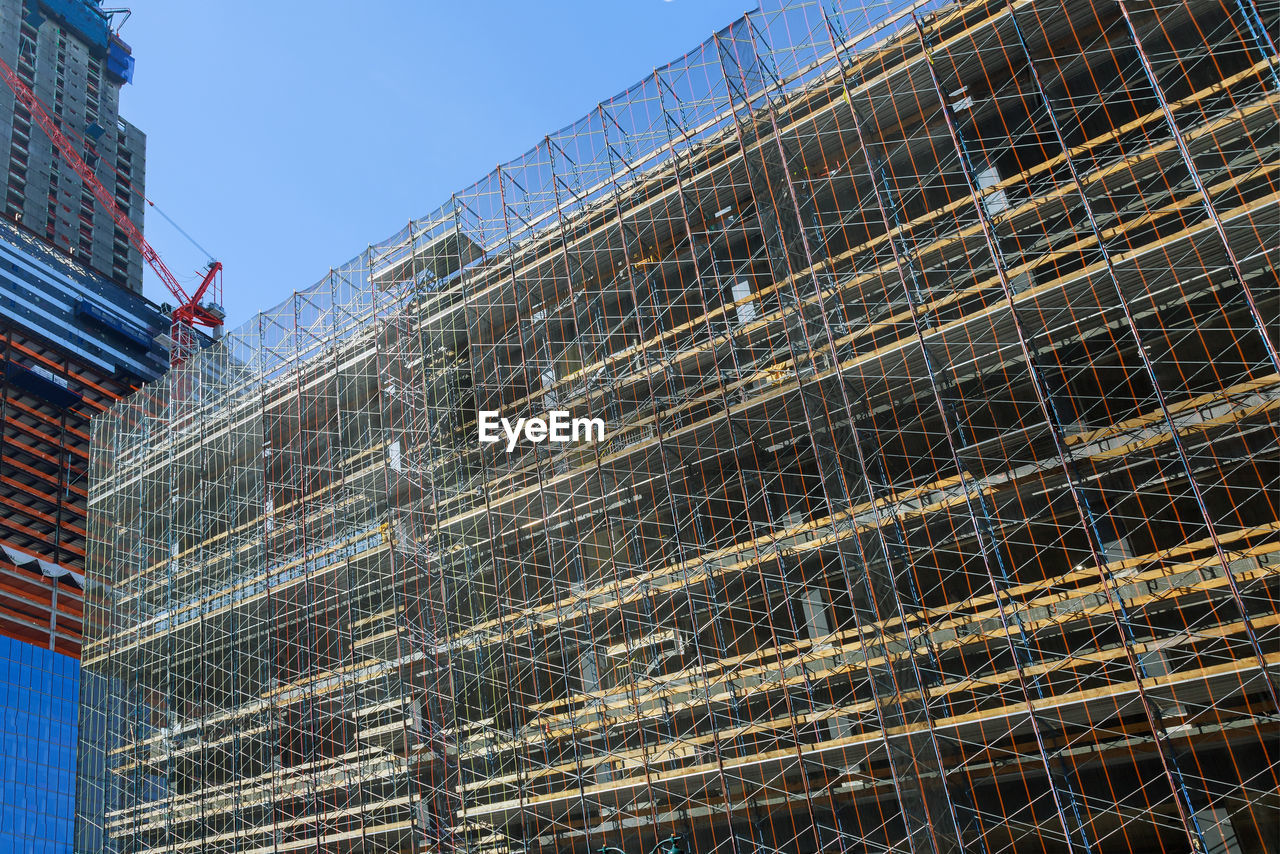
[(82, 17), (40, 386), (39, 692), (120, 60), (74, 309), (114, 325)]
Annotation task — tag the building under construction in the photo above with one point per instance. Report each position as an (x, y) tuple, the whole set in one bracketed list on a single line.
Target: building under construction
[(936, 511)]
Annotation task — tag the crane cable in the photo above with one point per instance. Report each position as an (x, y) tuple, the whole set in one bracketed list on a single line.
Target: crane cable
[(168, 219), (84, 141)]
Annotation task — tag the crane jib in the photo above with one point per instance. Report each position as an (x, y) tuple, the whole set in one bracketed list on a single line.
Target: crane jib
[(189, 309)]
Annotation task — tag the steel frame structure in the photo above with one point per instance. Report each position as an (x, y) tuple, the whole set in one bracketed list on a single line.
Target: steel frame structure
[(44, 462), (937, 511)]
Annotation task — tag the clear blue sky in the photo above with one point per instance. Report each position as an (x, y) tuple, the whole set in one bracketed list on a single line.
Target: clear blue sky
[(285, 136)]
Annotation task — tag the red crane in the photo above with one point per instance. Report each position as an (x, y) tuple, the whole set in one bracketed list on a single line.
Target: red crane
[(192, 310)]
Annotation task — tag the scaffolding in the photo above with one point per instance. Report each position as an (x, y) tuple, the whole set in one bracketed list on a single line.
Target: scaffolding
[(936, 512)]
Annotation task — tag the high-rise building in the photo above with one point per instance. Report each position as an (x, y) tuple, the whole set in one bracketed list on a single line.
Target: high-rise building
[(66, 52), (75, 336), (935, 345)]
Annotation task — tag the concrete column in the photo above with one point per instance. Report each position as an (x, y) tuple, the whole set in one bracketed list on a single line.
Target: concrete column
[(817, 620)]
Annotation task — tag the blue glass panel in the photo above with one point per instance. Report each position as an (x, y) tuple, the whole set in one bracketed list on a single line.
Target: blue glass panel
[(39, 693)]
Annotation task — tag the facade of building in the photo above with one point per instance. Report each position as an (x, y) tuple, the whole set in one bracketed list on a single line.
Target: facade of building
[(75, 336), (65, 51), (936, 510), (71, 344), (39, 690)]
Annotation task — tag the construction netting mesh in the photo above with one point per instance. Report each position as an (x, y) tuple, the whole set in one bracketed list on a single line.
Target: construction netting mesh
[(936, 511)]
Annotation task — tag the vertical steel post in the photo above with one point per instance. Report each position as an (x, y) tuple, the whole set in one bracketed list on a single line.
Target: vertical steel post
[(53, 614)]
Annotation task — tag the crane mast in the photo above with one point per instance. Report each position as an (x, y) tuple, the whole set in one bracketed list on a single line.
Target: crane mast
[(200, 307)]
